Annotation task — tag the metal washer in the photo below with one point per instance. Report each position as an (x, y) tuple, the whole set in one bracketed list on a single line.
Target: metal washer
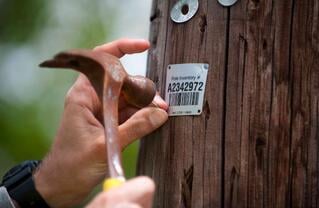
[(177, 14), (227, 2)]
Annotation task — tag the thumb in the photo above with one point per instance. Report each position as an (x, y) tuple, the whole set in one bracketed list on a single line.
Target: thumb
[(139, 190), (141, 123), (128, 205), (135, 193)]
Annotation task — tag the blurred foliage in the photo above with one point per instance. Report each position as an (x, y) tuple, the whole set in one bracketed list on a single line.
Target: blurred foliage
[(21, 20), (20, 132), (31, 100)]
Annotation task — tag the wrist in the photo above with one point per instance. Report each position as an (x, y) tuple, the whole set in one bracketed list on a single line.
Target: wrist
[(55, 186), (42, 186), (47, 184), (20, 185)]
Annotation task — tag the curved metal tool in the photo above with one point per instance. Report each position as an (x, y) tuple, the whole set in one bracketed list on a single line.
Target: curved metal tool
[(109, 80)]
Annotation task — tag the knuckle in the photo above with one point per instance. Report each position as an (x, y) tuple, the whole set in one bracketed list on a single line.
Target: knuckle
[(77, 95), (99, 146), (69, 97), (98, 48)]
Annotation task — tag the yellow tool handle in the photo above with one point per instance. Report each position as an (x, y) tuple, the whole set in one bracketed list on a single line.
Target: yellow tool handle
[(112, 183)]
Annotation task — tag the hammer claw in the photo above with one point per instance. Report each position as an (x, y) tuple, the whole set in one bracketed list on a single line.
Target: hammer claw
[(108, 79)]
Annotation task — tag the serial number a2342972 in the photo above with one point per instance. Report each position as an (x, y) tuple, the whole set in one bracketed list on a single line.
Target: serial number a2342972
[(185, 86)]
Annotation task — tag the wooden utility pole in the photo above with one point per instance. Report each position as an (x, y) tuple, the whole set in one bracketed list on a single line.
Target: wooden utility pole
[(256, 143)]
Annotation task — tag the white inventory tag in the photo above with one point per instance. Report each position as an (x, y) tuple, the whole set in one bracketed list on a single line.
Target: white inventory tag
[(185, 88)]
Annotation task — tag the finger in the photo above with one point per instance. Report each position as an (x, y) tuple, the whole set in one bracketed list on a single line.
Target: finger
[(126, 110), (159, 102), (127, 205), (122, 102), (126, 113), (139, 190), (140, 124), (124, 46)]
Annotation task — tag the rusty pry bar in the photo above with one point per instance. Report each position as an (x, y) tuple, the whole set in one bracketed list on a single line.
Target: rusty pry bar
[(109, 79)]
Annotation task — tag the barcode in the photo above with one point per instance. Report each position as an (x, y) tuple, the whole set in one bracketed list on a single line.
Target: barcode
[(183, 98)]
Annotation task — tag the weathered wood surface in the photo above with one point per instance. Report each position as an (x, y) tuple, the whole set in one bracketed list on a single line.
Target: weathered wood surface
[(256, 143)]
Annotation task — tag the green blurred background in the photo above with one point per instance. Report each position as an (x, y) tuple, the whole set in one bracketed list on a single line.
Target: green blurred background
[(31, 99)]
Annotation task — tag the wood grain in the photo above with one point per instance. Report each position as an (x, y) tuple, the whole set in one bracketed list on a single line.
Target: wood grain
[(256, 144)]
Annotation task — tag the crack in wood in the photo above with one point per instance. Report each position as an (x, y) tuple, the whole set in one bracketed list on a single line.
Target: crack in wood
[(259, 150), (206, 110), (233, 176), (156, 14), (187, 187), (227, 40), (202, 27)]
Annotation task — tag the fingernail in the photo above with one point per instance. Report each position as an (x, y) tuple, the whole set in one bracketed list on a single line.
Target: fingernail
[(159, 102)]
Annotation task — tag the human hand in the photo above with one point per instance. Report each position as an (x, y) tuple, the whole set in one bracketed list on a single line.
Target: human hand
[(135, 193), (76, 162)]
